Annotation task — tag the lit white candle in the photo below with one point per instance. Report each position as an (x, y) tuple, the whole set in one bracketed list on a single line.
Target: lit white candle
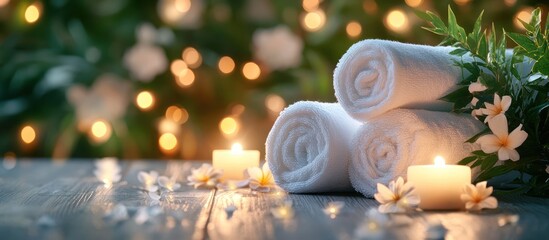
[(439, 185), (235, 161)]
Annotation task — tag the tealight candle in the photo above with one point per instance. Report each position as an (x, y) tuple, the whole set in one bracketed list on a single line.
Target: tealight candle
[(235, 161), (439, 186)]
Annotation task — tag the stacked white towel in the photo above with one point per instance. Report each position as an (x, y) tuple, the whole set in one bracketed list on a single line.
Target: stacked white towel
[(308, 148), (384, 147), (375, 76)]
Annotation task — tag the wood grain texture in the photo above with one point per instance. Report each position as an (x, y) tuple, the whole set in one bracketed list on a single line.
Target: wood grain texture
[(77, 202)]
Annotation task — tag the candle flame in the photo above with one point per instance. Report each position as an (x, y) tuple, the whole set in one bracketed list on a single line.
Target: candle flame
[(236, 148), (439, 161)]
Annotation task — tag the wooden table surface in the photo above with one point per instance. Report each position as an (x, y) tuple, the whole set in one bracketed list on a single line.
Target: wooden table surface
[(75, 203)]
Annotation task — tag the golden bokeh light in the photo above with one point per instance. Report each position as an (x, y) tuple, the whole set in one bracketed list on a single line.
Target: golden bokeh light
[(229, 126), (462, 2), (100, 131), (370, 6), (186, 78), (192, 57), (353, 29), (178, 66), (182, 6), (313, 21), (4, 3), (145, 100), (238, 109), (510, 3), (32, 13), (177, 114), (251, 71), (167, 142), (28, 134), (226, 64), (397, 21), (413, 3), (524, 14), (310, 5), (168, 126), (275, 103)]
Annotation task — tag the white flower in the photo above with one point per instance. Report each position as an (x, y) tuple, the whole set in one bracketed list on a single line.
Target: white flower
[(107, 171), (148, 180), (501, 141), (333, 208), (478, 197), (205, 175), (145, 61), (117, 213), (107, 99), (500, 106), (398, 197), (278, 48), (476, 87), (169, 183), (261, 179)]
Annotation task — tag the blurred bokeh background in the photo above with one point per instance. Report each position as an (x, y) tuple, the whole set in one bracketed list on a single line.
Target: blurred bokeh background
[(175, 79)]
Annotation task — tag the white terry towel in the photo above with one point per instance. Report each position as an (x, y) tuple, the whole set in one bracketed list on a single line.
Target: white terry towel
[(384, 147), (375, 76), (308, 148)]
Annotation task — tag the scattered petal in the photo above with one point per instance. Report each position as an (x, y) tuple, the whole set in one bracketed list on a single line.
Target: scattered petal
[(261, 179), (478, 197), (169, 184), (398, 197), (204, 176)]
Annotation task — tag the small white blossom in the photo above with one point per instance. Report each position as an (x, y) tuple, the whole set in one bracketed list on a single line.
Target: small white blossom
[(148, 180), (168, 183), (118, 213), (478, 197), (398, 197), (278, 48), (261, 179), (501, 140), (107, 170), (500, 106), (477, 87), (205, 175)]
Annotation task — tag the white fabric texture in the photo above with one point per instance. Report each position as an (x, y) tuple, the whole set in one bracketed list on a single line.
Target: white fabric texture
[(375, 76), (384, 147), (308, 148)]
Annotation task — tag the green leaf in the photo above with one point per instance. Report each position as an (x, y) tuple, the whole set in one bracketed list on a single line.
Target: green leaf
[(474, 138), (467, 160), (483, 47), (459, 52), (522, 41), (527, 26), (489, 162), (479, 153), (495, 171), (476, 29), (542, 65), (452, 22)]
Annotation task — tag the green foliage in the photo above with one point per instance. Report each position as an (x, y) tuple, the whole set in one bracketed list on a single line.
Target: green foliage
[(483, 56)]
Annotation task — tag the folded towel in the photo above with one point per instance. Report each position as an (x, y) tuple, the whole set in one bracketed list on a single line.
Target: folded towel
[(308, 148), (384, 147), (375, 76)]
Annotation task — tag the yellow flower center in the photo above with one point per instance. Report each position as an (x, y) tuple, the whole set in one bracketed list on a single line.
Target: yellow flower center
[(396, 197)]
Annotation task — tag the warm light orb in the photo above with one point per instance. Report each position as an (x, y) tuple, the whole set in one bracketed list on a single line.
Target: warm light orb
[(144, 100), (192, 57), (310, 5), (397, 21), (370, 6), (28, 134), (177, 115), (439, 161), (353, 29), (510, 3), (228, 126), (275, 103), (182, 6), (314, 21), (100, 130), (414, 3), (32, 13), (4, 3), (462, 2), (167, 141), (251, 71), (177, 67), (226, 64), (186, 78), (525, 14)]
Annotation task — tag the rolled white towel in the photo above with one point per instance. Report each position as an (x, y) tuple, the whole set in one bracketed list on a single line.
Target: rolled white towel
[(384, 147), (375, 76), (308, 148)]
